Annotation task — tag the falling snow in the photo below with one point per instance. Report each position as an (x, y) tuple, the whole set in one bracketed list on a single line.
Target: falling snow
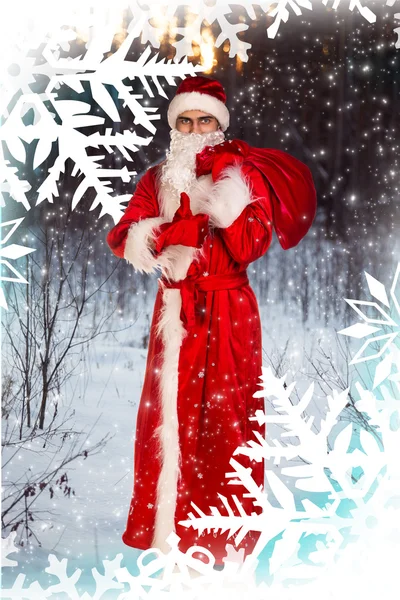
[(300, 457)]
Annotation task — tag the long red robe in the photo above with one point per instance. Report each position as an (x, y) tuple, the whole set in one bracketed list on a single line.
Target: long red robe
[(220, 358)]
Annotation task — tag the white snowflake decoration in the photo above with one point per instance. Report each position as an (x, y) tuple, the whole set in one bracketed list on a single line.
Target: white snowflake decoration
[(216, 11), (303, 463), (73, 143), (59, 121), (183, 576), (382, 319), (313, 458), (13, 252)]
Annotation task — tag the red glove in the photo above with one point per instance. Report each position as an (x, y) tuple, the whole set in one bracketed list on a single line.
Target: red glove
[(185, 229), (215, 159)]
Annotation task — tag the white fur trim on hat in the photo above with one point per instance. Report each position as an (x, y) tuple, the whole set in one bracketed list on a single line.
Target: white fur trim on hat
[(197, 101)]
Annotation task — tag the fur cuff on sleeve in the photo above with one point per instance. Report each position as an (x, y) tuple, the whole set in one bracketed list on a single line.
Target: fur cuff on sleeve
[(137, 248), (173, 261), (229, 197)]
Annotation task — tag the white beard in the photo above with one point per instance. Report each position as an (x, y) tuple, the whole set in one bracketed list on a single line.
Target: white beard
[(178, 173)]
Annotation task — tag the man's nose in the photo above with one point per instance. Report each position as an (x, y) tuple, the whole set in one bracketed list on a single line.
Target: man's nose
[(196, 128)]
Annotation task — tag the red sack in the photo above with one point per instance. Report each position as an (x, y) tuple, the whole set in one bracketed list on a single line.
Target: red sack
[(294, 199)]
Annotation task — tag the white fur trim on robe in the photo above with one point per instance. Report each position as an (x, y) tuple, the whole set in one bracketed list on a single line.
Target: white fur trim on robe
[(172, 332), (173, 261), (138, 249), (227, 198)]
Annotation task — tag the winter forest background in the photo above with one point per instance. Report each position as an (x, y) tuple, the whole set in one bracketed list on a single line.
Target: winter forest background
[(74, 341)]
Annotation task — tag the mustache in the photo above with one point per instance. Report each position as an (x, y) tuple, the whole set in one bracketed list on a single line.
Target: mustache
[(179, 169), (189, 144), (178, 173)]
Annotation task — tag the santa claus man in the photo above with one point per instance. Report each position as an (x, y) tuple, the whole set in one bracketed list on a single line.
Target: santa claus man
[(200, 218)]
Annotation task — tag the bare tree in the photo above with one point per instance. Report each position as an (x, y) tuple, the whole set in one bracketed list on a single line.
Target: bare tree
[(48, 329), (20, 498), (60, 314)]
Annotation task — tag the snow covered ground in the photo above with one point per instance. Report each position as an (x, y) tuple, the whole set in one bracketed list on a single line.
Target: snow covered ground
[(87, 527)]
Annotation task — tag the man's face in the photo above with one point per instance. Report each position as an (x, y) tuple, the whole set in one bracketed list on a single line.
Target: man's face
[(196, 121)]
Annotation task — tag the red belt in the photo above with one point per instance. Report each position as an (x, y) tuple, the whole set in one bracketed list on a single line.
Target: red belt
[(191, 286)]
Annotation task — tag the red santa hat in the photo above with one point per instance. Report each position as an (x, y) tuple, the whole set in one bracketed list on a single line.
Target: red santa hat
[(199, 93)]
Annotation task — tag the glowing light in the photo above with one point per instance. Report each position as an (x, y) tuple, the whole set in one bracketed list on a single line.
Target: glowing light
[(207, 50), (165, 26)]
